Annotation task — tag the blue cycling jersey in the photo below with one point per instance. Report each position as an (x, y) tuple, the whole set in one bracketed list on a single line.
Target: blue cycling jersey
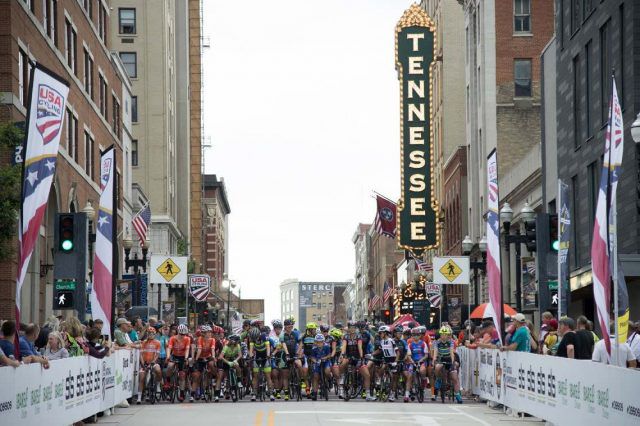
[(318, 352)]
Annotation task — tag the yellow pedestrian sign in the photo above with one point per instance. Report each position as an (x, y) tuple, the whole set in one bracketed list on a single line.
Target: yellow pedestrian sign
[(451, 270), (168, 269)]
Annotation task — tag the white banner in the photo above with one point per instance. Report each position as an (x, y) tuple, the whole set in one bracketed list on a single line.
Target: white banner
[(562, 391), (70, 390)]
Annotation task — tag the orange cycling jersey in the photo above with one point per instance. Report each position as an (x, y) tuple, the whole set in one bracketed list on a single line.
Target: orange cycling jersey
[(206, 348), (179, 347), (149, 350)]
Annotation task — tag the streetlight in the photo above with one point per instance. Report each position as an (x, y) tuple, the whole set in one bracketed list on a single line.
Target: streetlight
[(228, 284), (467, 248), (635, 129)]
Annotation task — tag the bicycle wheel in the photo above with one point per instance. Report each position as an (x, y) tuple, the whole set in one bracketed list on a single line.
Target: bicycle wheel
[(151, 388), (417, 386), (173, 391), (346, 386), (325, 385), (385, 386)]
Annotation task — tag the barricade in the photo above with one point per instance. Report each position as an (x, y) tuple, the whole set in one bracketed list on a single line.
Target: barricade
[(559, 390), (70, 390)]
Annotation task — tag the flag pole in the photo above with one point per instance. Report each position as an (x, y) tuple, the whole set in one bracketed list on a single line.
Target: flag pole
[(614, 228), (559, 265), (114, 245)]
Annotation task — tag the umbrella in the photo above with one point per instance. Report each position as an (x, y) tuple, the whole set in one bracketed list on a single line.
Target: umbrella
[(404, 320), (479, 312)]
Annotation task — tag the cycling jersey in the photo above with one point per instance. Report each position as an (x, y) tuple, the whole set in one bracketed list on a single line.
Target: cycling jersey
[(207, 348), (307, 344), (401, 348), (318, 352), (149, 349), (230, 353), (352, 345), (179, 347), (418, 349), (444, 350), (291, 340), (260, 348), (388, 348), (164, 341)]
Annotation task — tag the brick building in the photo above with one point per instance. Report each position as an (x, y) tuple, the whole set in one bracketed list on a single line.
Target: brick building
[(385, 256), (72, 41), (216, 211)]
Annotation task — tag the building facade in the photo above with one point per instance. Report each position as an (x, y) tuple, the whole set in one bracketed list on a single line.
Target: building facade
[(360, 288), (385, 256), (319, 302), (73, 41), (216, 229), (593, 41)]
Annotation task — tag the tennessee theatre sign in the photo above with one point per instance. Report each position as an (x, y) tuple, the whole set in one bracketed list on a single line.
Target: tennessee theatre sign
[(415, 41)]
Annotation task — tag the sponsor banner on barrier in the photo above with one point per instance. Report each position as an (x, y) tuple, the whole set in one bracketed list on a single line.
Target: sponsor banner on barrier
[(559, 390), (69, 391)]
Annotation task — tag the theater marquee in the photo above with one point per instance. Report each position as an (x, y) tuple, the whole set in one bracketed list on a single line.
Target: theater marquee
[(415, 41)]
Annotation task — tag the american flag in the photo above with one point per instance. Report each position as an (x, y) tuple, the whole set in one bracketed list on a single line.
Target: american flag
[(387, 292), (141, 223), (45, 118), (435, 299), (420, 264), (374, 299)]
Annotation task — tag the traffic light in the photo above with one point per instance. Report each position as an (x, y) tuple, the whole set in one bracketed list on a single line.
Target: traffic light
[(530, 231), (66, 233), (386, 316), (554, 241), (205, 315)]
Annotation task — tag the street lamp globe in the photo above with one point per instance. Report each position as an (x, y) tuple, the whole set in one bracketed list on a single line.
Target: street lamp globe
[(127, 242), (89, 210), (467, 244), (506, 213), (527, 213), (482, 244), (635, 129)]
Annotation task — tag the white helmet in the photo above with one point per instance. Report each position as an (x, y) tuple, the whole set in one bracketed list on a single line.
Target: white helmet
[(205, 328), (183, 329), (384, 328)]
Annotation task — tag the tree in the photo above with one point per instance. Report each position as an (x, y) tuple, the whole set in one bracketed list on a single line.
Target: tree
[(10, 176)]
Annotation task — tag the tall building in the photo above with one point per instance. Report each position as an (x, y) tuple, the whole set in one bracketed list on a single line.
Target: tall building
[(216, 229), (72, 39), (320, 302), (504, 42), (591, 43), (152, 39), (385, 256), (359, 290)]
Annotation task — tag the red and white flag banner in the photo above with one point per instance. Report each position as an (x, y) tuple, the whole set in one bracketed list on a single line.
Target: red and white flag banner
[(494, 308)]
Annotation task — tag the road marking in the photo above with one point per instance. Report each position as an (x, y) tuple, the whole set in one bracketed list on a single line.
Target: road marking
[(386, 413), (471, 416), (258, 419), (270, 419)]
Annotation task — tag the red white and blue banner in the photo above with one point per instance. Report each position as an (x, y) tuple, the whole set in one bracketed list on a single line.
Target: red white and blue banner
[(101, 296), (199, 286), (494, 308), (385, 222), (45, 117)]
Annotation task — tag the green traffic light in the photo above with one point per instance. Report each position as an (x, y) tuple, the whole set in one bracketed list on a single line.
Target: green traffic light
[(67, 245), (556, 245)]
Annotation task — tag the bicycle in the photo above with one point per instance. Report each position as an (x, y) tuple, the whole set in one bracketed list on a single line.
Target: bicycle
[(445, 385), (417, 391), (261, 391), (207, 386), (350, 388), (150, 384), (385, 384), (294, 380), (233, 388), (323, 385)]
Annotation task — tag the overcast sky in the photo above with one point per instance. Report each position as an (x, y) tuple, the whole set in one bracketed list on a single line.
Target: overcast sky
[(301, 104)]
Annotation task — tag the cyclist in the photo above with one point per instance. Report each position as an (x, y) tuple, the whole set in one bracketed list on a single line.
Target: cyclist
[(387, 349), (205, 355), (246, 326), (353, 352), (278, 359), (290, 339), (304, 352), (404, 358), (419, 352), (444, 356), (178, 353), (320, 360), (229, 357), (149, 352), (260, 353), (335, 336)]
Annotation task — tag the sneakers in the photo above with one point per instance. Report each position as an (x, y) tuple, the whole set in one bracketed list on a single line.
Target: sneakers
[(191, 398), (341, 393), (314, 396), (272, 397), (458, 398), (216, 399), (406, 399), (391, 398), (277, 394), (286, 395), (253, 397), (158, 388), (371, 398)]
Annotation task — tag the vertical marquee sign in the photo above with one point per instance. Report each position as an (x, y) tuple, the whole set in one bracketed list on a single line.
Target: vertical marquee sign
[(415, 41)]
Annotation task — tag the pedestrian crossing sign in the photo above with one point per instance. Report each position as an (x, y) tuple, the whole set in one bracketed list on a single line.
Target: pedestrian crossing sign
[(168, 269), (451, 270)]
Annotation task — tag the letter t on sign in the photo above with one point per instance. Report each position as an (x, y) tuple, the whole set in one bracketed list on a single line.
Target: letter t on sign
[(415, 38)]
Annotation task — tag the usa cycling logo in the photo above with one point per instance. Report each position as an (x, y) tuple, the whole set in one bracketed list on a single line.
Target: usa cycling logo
[(386, 214), (106, 172), (49, 113)]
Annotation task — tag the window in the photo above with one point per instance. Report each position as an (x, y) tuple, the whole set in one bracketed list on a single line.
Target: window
[(88, 154), (23, 77), (574, 261), (103, 95), (88, 7), (587, 7), (102, 22), (622, 52), (575, 15), (522, 16), (577, 110), (560, 20), (88, 73), (587, 88), (71, 41), (49, 18), (605, 71), (116, 116), (130, 62), (134, 109), (72, 135), (522, 77), (127, 21), (134, 152)]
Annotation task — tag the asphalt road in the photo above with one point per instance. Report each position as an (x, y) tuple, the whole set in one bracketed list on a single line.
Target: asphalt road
[(308, 413)]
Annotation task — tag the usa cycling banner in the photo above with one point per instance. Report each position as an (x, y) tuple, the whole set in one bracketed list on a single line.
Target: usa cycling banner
[(559, 390), (70, 390)]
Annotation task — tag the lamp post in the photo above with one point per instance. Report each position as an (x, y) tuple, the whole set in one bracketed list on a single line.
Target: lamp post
[(228, 284), (635, 129), (506, 216), (135, 263), (90, 212), (475, 264)]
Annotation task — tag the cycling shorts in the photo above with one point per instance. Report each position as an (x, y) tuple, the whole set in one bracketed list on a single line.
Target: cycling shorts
[(320, 365), (261, 364), (180, 361), (201, 364), (407, 366)]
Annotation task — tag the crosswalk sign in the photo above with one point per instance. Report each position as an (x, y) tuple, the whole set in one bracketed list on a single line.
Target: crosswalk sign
[(451, 270)]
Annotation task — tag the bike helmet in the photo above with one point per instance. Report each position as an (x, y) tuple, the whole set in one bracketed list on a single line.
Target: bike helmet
[(406, 332), (205, 328), (151, 330), (312, 326), (339, 326), (336, 333), (419, 330), (384, 329), (159, 325), (254, 334), (412, 324), (319, 338), (444, 330), (276, 324), (265, 329), (288, 322), (398, 329), (234, 338), (246, 322), (256, 323), (183, 329), (361, 324), (324, 328), (351, 323)]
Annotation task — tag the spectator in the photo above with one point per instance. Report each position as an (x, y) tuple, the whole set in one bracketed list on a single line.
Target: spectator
[(9, 349), (96, 349), (52, 324), (76, 344), (585, 334), (570, 346), (489, 334), (5, 360), (533, 337), (121, 334), (163, 338), (135, 332), (55, 347), (510, 328), (624, 358), (634, 339), (27, 347), (521, 339), (152, 322), (544, 329), (551, 340)]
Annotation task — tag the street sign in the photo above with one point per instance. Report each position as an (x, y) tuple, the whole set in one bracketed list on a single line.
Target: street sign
[(421, 310), (199, 286), (63, 299), (451, 270), (168, 269), (65, 284)]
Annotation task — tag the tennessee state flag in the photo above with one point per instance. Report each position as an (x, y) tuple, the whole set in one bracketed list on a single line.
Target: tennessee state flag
[(385, 223)]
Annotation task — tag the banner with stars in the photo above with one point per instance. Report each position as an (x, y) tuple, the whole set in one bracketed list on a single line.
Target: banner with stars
[(494, 308), (101, 296), (45, 117)]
